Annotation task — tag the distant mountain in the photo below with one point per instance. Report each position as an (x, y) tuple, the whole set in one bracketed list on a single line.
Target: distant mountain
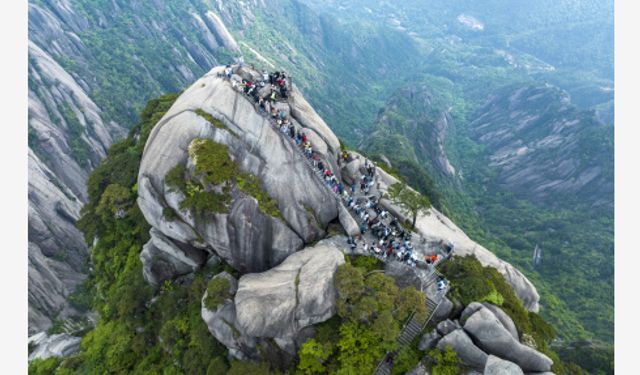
[(90, 69), (545, 149)]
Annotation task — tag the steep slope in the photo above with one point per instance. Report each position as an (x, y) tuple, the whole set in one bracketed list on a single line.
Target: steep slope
[(544, 149), (241, 234), (67, 138), (117, 55), (76, 106), (215, 236), (530, 166)]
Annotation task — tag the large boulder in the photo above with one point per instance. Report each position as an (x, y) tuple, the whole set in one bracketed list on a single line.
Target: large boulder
[(59, 345), (491, 336), (468, 352), (221, 322), (445, 327), (254, 245), (420, 369), (297, 293), (443, 311), (429, 340), (164, 259), (403, 274), (497, 366), (504, 319), (469, 310)]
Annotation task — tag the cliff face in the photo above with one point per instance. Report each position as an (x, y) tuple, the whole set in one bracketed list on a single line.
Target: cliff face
[(286, 281), (416, 127), (67, 138), (73, 118), (245, 236), (254, 144), (545, 149)]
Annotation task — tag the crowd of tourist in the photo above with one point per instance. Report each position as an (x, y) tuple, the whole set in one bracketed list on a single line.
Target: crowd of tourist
[(388, 239)]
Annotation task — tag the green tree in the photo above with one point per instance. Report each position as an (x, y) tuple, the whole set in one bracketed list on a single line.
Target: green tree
[(217, 366), (313, 355), (410, 299), (44, 366), (249, 367), (447, 361), (217, 292), (409, 200), (113, 201), (350, 286), (359, 349), (387, 329)]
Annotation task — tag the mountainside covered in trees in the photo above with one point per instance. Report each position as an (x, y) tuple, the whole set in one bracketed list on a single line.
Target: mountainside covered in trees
[(181, 283), (431, 97), (110, 57)]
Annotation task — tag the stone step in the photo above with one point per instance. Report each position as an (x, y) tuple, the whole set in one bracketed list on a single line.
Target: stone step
[(384, 369)]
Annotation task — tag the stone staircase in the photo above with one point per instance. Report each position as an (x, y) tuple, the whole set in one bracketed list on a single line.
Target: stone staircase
[(410, 331), (413, 327)]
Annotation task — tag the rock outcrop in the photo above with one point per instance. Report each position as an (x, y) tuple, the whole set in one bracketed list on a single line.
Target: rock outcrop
[(429, 340), (519, 127), (164, 259), (75, 112), (278, 304), (246, 238), (468, 352), (489, 335), (59, 345), (297, 293), (497, 366), (434, 227), (486, 339), (222, 323), (504, 319), (445, 327), (67, 137)]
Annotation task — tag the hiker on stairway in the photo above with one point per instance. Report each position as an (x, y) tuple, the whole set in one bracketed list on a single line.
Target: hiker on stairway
[(315, 159), (292, 130)]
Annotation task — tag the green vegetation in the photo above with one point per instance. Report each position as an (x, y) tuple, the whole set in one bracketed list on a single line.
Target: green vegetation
[(212, 120), (44, 366), (169, 214), (371, 310), (252, 186), (133, 336), (470, 281), (175, 178), (212, 162), (447, 362), (213, 166), (406, 359), (313, 355), (75, 130), (595, 359), (217, 292), (249, 367), (409, 200), (367, 263), (203, 202)]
